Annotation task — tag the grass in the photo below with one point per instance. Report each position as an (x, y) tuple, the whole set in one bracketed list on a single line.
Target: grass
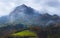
[(25, 33)]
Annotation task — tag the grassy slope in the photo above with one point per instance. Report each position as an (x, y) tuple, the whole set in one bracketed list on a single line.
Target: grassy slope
[(25, 33)]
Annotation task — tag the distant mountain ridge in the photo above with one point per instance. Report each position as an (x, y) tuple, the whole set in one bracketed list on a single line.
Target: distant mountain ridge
[(28, 16)]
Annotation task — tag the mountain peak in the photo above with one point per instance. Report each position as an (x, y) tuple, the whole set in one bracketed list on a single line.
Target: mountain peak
[(23, 9), (23, 5)]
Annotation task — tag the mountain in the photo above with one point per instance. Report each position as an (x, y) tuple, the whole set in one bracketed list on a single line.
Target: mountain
[(3, 19), (23, 8), (25, 15), (28, 16)]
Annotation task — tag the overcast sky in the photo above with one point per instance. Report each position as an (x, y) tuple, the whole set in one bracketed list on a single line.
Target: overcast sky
[(50, 6)]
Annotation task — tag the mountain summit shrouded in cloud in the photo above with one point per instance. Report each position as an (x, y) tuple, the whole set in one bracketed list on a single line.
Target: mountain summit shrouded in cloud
[(28, 16), (51, 6), (24, 8), (24, 14), (20, 18)]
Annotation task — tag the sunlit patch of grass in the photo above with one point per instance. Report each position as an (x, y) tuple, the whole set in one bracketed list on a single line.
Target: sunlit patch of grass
[(25, 33)]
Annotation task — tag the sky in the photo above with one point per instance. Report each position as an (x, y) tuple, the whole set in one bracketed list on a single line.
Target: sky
[(49, 6)]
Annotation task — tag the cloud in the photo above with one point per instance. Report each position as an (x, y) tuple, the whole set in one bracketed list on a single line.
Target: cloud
[(51, 6), (53, 3), (5, 8)]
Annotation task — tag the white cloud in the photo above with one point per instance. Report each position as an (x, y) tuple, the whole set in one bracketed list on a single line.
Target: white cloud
[(51, 6), (6, 8)]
